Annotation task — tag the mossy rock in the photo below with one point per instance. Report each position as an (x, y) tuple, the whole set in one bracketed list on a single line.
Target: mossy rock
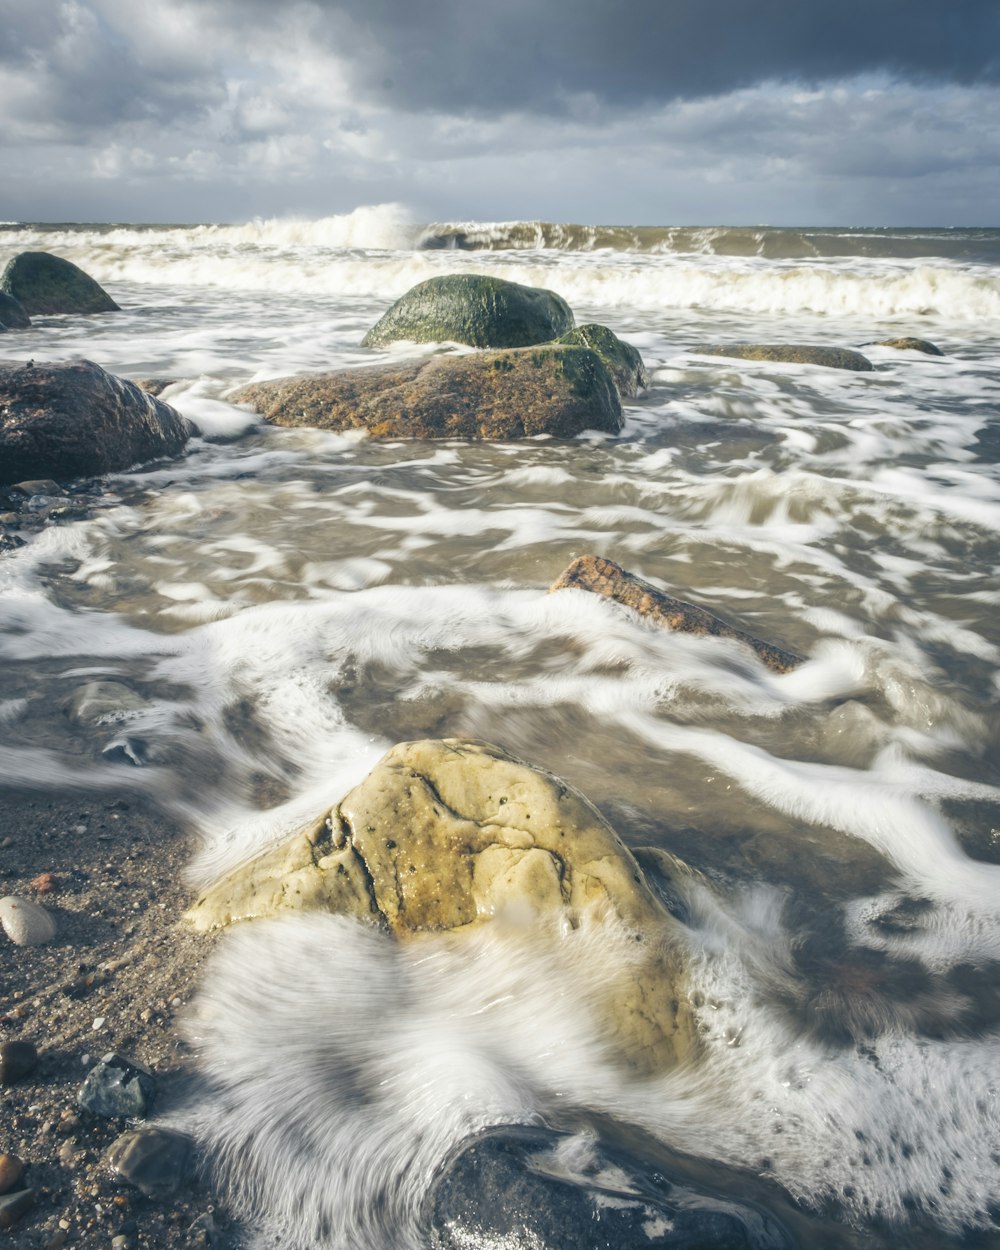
[(452, 836), (551, 389), (44, 283), (791, 353), (622, 359), (12, 314), (908, 344), (474, 309)]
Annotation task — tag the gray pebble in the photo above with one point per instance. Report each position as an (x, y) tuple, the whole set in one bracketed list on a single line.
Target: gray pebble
[(118, 1087), (26, 923), (156, 1160)]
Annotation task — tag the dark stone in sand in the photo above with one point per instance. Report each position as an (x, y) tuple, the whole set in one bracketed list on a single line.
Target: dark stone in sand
[(474, 309), (13, 1206), (73, 420), (11, 1172), (901, 345), (44, 283), (604, 577), (158, 1161), (622, 359), (12, 314), (532, 1189), (790, 353), (17, 1059), (491, 395), (117, 1086)]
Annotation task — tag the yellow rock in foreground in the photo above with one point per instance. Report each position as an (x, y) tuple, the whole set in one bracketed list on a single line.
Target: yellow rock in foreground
[(448, 835)]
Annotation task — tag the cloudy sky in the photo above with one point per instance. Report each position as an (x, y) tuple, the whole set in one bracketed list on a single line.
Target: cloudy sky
[(613, 111)]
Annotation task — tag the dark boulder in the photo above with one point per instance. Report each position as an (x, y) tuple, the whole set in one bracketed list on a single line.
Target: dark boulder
[(490, 395), (790, 353), (533, 1189), (604, 577), (12, 314), (622, 359), (44, 283), (74, 420), (901, 345), (475, 309)]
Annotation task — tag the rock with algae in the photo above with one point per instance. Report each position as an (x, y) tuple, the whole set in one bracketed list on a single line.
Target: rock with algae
[(450, 835)]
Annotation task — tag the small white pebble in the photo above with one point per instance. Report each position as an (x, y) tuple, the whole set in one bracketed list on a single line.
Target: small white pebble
[(79, 828), (175, 1002), (85, 1059), (98, 1023)]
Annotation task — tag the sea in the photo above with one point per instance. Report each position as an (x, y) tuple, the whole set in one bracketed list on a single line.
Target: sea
[(288, 604)]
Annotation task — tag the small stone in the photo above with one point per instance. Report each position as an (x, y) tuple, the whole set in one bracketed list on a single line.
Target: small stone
[(44, 883), (17, 1059), (26, 923), (99, 1023), (120, 1242), (57, 1240), (118, 1087), (13, 1206), (11, 1171), (157, 1161)]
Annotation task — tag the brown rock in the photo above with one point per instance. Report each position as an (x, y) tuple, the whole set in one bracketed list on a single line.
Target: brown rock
[(506, 394), (448, 836), (11, 1171), (907, 344), (606, 578), (791, 353), (17, 1059), (73, 420), (44, 883)]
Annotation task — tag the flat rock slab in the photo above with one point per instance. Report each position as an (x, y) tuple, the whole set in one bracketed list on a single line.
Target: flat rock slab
[(446, 836), (533, 1189), (44, 283), (475, 309), (73, 420), (510, 394), (604, 577), (791, 354)]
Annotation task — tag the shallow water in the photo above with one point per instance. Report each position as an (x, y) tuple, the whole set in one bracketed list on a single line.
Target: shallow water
[(289, 603)]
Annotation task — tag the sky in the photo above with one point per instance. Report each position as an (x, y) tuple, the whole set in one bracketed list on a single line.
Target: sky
[(657, 112)]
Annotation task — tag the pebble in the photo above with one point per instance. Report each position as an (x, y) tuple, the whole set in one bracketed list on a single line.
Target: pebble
[(44, 883), (26, 923), (13, 1206), (156, 1160), (17, 1059), (117, 1086), (11, 1171)]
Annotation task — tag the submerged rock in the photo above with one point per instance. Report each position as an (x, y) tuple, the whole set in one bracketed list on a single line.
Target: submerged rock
[(622, 359), (44, 283), (158, 1161), (72, 420), (509, 394), (118, 1087), (533, 1189), (12, 314), (475, 309), (790, 353), (451, 835), (904, 345), (104, 703), (606, 578)]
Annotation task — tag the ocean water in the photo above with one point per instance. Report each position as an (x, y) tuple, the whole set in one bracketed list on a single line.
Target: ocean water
[(290, 603)]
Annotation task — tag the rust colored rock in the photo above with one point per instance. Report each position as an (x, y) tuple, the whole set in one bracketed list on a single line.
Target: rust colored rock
[(75, 420), (11, 1171), (606, 578), (506, 394), (44, 883)]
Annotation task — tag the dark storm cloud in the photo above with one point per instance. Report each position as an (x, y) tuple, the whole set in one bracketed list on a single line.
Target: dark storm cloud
[(455, 55)]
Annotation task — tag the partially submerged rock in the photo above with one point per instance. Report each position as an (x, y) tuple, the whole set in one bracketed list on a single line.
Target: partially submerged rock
[(907, 344), (72, 420), (509, 394), (622, 359), (606, 578), (790, 353), (447, 836), (474, 309), (12, 314), (533, 1189), (44, 283)]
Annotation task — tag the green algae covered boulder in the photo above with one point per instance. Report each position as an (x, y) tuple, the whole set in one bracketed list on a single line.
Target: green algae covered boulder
[(499, 395), (12, 314), (623, 360), (44, 283), (474, 309)]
